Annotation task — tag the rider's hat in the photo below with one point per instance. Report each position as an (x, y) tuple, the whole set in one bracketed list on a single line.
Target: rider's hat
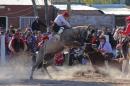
[(66, 14)]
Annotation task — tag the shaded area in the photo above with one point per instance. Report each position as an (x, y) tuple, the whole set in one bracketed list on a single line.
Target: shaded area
[(38, 82)]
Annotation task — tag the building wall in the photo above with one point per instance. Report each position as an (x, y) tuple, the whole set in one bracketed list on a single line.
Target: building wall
[(96, 20), (94, 17), (14, 12)]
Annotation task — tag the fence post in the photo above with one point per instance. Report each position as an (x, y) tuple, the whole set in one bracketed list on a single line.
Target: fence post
[(3, 57)]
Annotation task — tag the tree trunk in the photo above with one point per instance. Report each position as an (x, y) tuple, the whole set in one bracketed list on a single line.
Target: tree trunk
[(35, 8), (46, 15)]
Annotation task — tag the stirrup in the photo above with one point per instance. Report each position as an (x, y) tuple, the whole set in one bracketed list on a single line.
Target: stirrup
[(61, 30)]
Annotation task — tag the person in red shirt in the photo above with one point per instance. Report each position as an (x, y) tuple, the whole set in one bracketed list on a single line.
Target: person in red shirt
[(127, 29), (43, 39), (59, 59), (17, 43)]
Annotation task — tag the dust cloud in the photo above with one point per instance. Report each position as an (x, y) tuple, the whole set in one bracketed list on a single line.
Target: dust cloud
[(19, 67)]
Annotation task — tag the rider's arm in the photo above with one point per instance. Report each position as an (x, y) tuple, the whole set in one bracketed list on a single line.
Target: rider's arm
[(65, 22)]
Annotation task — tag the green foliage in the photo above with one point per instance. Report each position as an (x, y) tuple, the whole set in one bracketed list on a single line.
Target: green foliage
[(101, 1)]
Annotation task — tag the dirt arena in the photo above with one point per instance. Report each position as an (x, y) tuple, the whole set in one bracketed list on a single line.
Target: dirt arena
[(17, 71)]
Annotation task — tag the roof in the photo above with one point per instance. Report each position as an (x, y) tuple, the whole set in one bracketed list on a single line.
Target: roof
[(108, 5), (114, 9), (22, 2), (75, 7)]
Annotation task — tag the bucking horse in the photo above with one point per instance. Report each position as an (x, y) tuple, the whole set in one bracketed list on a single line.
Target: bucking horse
[(69, 38)]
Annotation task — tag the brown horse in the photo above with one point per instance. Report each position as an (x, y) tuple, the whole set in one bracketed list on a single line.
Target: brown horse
[(69, 38), (97, 59)]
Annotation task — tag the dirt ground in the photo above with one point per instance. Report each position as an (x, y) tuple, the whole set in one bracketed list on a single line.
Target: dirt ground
[(17, 71)]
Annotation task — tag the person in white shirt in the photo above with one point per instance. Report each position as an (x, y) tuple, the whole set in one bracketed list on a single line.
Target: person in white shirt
[(61, 21)]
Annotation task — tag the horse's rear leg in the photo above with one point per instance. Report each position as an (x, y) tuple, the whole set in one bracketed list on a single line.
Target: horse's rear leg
[(34, 64), (125, 67), (33, 58), (107, 66), (45, 68), (33, 69)]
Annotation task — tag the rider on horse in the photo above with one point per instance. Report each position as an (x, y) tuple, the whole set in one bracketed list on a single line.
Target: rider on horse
[(127, 29), (124, 40), (61, 22)]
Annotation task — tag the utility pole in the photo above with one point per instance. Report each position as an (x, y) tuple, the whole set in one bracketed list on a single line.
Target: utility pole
[(35, 8), (46, 15), (69, 6)]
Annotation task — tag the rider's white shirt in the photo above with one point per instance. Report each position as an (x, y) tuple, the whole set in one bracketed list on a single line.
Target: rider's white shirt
[(60, 21)]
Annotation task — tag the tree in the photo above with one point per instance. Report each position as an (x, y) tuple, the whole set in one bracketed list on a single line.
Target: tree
[(128, 2), (46, 15), (69, 6), (101, 1), (34, 8)]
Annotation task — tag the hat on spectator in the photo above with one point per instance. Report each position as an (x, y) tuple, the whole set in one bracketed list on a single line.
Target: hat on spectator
[(102, 37)]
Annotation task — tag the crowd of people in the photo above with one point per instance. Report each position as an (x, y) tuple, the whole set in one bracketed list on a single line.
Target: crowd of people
[(31, 41), (28, 40)]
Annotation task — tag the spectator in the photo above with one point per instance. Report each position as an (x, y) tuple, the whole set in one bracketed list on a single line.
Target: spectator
[(105, 47), (31, 42), (59, 59)]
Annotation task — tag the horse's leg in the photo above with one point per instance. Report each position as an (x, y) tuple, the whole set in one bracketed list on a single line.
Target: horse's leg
[(45, 68), (106, 65), (50, 62), (125, 66), (35, 66), (34, 58), (32, 71)]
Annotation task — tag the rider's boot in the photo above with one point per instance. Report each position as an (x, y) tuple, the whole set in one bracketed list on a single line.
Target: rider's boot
[(59, 33)]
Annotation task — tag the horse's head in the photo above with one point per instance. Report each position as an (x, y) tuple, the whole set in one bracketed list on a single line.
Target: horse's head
[(88, 47), (82, 33)]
